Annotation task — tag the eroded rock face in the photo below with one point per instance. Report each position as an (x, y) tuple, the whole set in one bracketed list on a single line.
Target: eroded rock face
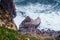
[(9, 5), (6, 19), (29, 25)]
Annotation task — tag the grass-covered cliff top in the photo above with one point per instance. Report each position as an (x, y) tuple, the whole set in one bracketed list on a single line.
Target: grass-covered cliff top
[(9, 34)]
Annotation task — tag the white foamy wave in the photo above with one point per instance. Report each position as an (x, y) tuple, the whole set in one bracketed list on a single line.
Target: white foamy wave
[(49, 19)]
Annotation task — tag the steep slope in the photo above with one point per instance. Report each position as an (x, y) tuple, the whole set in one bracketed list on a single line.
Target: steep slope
[(8, 34), (6, 19), (8, 29), (9, 5)]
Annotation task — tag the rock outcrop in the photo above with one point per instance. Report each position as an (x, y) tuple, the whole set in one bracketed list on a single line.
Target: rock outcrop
[(29, 25), (6, 19)]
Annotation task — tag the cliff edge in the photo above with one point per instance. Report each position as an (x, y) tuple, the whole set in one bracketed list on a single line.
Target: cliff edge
[(6, 13)]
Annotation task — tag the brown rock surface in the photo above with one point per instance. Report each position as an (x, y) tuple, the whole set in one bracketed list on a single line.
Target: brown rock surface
[(6, 19), (9, 5)]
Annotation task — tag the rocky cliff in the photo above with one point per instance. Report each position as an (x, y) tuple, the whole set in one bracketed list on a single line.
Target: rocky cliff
[(6, 13), (9, 5)]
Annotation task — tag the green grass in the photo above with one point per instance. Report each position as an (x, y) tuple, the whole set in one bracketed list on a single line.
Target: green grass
[(9, 34)]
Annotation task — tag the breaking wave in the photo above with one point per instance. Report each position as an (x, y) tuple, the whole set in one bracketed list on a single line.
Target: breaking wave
[(47, 10)]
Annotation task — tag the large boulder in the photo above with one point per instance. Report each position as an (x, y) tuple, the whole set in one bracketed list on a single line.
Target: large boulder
[(29, 25), (28, 22)]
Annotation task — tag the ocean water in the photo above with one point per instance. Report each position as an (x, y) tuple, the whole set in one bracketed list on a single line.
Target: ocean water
[(47, 10)]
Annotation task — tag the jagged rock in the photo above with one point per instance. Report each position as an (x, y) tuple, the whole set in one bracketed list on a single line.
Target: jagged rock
[(30, 22), (29, 25), (5, 17)]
